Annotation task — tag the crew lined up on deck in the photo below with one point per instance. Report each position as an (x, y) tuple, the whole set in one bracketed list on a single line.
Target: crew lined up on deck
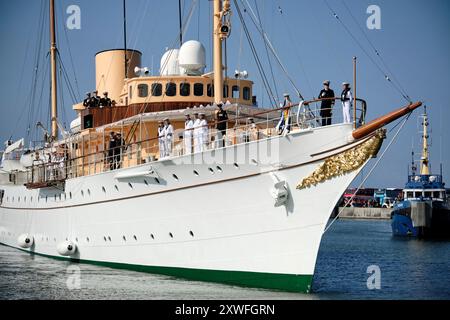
[(93, 100)]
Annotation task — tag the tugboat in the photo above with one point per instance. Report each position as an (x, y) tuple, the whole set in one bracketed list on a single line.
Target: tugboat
[(424, 211)]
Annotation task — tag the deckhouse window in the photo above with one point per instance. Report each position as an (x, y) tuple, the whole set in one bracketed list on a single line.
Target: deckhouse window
[(198, 89), (130, 92), (409, 194), (185, 89), (210, 90), (142, 90), (436, 194), (171, 89), (246, 93), (156, 89), (235, 92), (225, 91)]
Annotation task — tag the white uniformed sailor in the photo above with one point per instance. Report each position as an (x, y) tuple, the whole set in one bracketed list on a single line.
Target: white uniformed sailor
[(346, 98), (197, 134), (168, 137), (203, 132), (161, 139), (188, 133)]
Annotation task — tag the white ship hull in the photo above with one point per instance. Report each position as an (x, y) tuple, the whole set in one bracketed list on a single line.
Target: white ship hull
[(218, 226)]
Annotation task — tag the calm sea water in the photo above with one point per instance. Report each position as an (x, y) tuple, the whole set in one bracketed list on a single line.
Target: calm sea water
[(409, 269)]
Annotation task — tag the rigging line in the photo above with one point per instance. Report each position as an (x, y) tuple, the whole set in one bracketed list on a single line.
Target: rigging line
[(267, 52), (275, 54), (296, 49), (66, 78), (255, 56), (365, 52), (37, 58), (370, 172), (70, 56), (377, 52)]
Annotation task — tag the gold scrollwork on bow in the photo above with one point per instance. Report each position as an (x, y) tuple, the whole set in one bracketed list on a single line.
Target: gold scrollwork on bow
[(344, 162)]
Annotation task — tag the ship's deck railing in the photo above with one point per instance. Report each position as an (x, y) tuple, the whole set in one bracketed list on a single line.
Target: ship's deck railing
[(264, 124)]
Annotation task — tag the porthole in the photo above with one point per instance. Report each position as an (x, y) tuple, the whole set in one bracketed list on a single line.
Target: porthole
[(55, 197), (157, 180), (135, 238), (191, 233), (175, 177), (130, 185), (87, 239), (31, 199), (65, 196), (60, 197), (254, 162), (211, 170), (116, 187), (46, 199), (124, 238), (236, 165), (146, 182), (70, 195), (152, 236), (109, 238), (89, 192), (18, 199), (104, 189), (170, 234), (76, 239), (104, 238), (82, 193), (219, 168), (25, 199), (196, 173)]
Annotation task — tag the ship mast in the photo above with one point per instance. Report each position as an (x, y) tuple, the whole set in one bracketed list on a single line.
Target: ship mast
[(53, 51), (221, 31), (424, 160)]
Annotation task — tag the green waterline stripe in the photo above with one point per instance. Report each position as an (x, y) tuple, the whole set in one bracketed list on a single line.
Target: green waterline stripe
[(277, 281)]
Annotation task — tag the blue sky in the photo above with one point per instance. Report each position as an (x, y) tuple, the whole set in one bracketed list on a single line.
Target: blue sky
[(413, 40)]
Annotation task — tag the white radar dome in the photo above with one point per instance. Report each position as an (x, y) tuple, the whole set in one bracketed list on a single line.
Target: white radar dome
[(169, 63), (192, 58)]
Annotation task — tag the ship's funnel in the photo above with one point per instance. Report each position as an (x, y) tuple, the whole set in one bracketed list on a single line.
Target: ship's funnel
[(110, 70)]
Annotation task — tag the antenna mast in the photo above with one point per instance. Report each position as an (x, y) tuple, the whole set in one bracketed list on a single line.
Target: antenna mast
[(221, 25), (53, 50), (424, 160)]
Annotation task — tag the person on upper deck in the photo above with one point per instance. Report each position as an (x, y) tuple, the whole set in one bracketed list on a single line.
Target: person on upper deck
[(111, 150), (119, 150), (95, 100), (197, 133), (105, 101), (284, 125), (203, 132), (221, 124), (168, 137), (161, 140), (346, 99), (188, 133), (87, 101), (327, 104)]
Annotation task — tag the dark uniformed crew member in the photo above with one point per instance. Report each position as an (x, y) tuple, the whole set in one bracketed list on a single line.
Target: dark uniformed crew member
[(95, 100), (87, 101), (111, 150), (221, 126), (326, 105), (119, 150), (105, 101)]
